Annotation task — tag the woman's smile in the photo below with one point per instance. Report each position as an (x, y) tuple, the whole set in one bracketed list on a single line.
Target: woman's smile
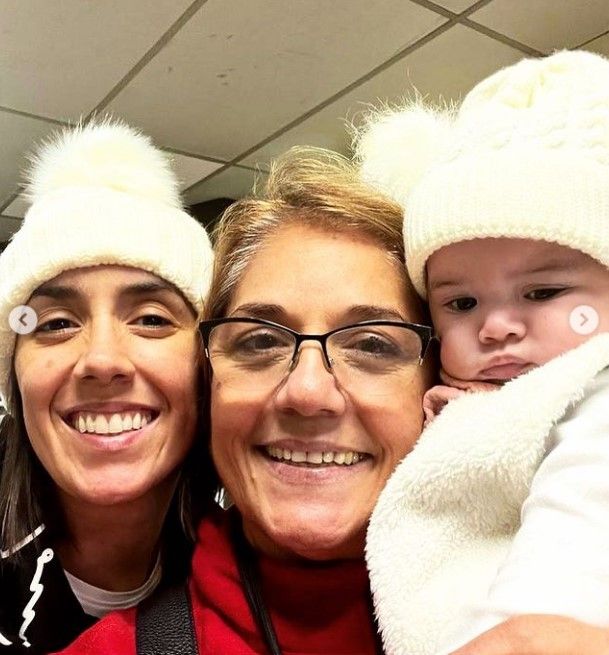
[(315, 457), (290, 473), (112, 431), (110, 370), (305, 460)]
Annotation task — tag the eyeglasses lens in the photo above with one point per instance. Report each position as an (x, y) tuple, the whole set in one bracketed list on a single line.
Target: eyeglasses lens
[(364, 358)]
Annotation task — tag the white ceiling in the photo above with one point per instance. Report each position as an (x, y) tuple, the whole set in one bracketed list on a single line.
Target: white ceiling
[(224, 85)]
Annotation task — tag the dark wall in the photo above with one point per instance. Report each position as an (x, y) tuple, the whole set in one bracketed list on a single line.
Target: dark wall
[(210, 211)]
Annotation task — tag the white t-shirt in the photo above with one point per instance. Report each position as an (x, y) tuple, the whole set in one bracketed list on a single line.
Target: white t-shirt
[(99, 602)]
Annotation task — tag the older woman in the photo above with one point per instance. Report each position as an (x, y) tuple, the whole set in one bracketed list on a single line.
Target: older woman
[(315, 342), (99, 293)]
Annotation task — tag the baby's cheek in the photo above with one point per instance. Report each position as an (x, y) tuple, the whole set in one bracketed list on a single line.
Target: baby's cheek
[(455, 355)]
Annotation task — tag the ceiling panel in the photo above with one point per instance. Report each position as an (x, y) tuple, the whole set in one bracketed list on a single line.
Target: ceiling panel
[(234, 182), (60, 59), (600, 45), (17, 136), (239, 70), (546, 24), (191, 169), (8, 226), (456, 5), (448, 66), (17, 208)]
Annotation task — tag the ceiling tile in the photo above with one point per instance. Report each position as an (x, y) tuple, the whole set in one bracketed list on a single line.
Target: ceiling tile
[(448, 66), (456, 5), (60, 59), (8, 227), (191, 169), (234, 182), (17, 136), (600, 45), (239, 70), (546, 24), (17, 208)]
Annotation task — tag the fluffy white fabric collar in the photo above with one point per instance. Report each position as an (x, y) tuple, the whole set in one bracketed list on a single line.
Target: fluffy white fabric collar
[(447, 516)]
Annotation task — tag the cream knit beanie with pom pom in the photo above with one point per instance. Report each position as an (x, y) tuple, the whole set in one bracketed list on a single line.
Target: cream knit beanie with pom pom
[(101, 194), (526, 155)]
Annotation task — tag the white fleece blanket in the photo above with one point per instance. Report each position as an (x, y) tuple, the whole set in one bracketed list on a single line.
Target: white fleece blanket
[(446, 519)]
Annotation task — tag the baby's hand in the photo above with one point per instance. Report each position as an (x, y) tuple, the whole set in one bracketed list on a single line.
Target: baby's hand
[(437, 397), (435, 400), (468, 385)]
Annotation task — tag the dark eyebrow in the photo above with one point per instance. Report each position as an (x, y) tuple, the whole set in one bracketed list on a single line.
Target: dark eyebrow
[(267, 311), (56, 292), (61, 292), (353, 314), (373, 313), (145, 288)]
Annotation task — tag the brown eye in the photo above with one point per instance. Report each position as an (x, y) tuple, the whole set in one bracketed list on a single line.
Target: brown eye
[(464, 304), (545, 293), (56, 325), (153, 320)]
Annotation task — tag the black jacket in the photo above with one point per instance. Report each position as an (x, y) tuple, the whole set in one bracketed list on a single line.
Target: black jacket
[(37, 605), (36, 600)]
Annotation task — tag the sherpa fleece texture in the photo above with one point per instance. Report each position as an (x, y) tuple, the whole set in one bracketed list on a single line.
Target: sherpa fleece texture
[(451, 513)]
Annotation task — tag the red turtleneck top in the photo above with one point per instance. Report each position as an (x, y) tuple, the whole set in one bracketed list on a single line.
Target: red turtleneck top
[(316, 608)]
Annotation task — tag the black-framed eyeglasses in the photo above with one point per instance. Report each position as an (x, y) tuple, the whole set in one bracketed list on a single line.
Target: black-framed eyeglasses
[(256, 353)]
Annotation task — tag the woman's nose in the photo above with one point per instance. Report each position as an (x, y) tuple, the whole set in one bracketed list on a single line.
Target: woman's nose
[(310, 388), (501, 325), (104, 357)]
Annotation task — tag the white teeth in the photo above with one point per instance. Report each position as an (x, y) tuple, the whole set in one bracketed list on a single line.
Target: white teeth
[(314, 458), (101, 424), (127, 422), (115, 425), (343, 458), (110, 424)]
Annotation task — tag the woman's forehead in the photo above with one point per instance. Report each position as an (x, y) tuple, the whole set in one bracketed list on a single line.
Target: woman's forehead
[(80, 276), (305, 271)]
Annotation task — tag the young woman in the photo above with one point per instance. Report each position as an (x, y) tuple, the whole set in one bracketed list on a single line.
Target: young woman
[(99, 295)]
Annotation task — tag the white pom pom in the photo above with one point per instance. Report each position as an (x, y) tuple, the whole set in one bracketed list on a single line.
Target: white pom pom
[(395, 147), (107, 154)]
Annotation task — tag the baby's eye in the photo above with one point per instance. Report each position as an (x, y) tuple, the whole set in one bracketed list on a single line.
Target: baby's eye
[(544, 293), (463, 304), (55, 325)]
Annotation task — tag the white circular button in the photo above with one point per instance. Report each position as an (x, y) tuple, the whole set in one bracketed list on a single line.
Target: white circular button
[(583, 319), (22, 319)]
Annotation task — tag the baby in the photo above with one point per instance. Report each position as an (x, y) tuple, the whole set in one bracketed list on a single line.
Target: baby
[(503, 506), (502, 306)]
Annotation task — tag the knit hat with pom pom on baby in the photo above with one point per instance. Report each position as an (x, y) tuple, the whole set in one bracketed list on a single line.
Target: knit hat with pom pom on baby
[(101, 193), (526, 155)]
